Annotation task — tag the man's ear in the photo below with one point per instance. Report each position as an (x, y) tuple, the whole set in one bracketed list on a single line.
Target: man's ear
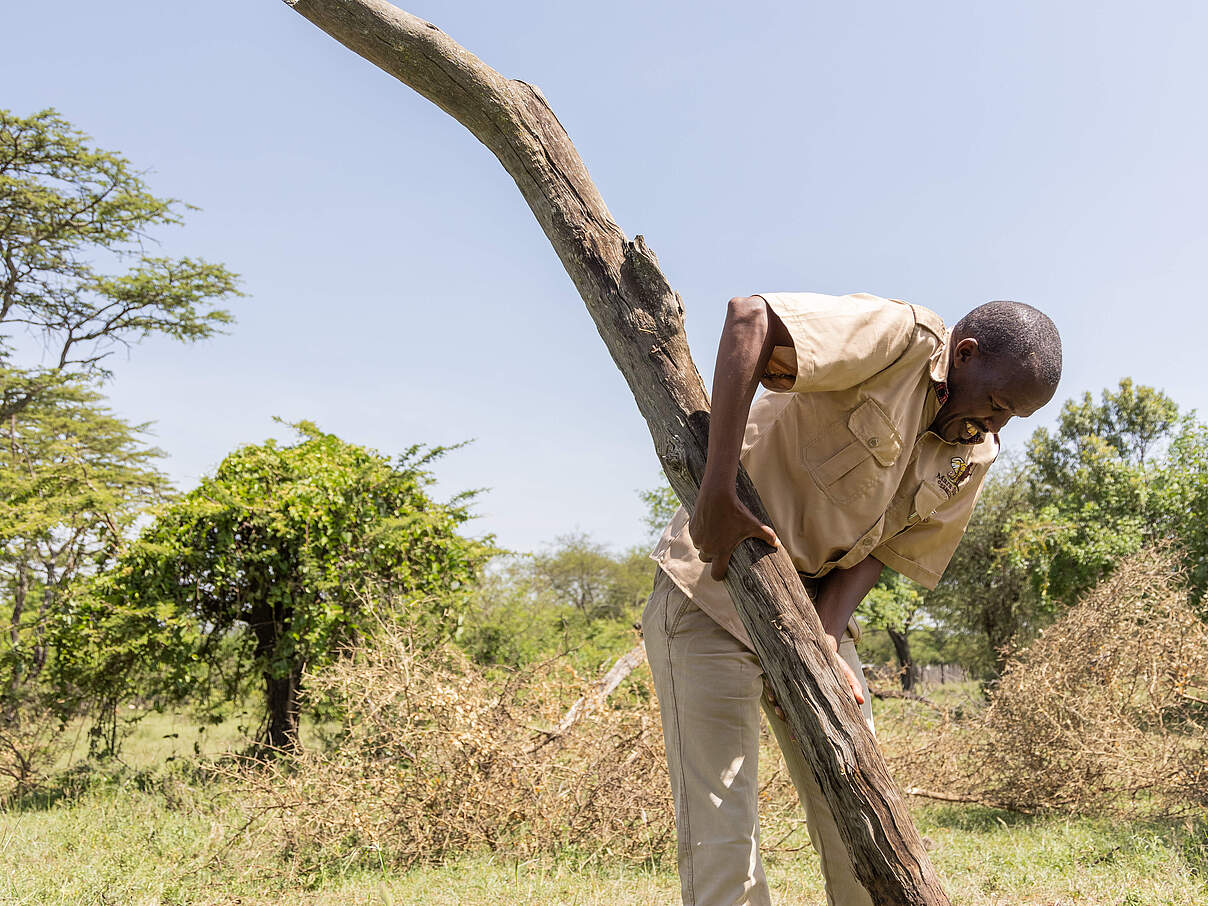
[(964, 352)]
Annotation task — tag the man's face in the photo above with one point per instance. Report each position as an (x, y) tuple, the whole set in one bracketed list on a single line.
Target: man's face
[(984, 393)]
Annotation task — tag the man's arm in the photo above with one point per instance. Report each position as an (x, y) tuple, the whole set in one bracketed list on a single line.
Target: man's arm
[(720, 521), (840, 595)]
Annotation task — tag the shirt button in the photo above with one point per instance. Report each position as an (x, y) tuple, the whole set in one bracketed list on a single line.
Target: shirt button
[(873, 441)]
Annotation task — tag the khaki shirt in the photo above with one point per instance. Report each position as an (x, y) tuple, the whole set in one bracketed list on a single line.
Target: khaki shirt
[(840, 452)]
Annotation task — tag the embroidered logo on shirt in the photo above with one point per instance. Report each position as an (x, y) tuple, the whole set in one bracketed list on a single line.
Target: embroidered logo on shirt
[(960, 470)]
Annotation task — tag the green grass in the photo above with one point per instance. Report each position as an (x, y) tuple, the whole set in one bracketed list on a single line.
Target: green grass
[(992, 857), (127, 840), (153, 832)]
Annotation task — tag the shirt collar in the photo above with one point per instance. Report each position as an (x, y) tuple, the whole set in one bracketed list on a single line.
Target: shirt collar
[(937, 369), (937, 365)]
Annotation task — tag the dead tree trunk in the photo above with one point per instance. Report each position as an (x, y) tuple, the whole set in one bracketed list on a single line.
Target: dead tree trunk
[(640, 319)]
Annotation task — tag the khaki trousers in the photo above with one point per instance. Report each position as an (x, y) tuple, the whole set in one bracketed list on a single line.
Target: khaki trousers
[(710, 688)]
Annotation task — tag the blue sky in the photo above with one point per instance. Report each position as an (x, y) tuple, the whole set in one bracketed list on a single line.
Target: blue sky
[(399, 290)]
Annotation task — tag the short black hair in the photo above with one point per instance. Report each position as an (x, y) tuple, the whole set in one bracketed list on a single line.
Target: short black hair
[(1018, 331)]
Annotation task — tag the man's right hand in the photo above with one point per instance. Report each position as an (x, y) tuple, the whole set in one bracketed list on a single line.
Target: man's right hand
[(719, 523)]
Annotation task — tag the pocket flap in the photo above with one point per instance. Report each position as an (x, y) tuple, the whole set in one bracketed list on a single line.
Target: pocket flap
[(927, 500), (841, 463), (875, 431)]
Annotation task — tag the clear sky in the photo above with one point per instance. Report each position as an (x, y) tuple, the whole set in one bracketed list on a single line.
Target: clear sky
[(399, 290)]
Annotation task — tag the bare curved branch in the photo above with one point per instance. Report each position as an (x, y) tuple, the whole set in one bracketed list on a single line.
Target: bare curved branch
[(640, 318)]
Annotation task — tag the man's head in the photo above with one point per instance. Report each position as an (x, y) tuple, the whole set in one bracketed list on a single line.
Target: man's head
[(1004, 360)]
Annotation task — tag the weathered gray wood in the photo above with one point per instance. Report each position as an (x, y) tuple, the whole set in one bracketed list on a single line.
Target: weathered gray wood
[(640, 318)]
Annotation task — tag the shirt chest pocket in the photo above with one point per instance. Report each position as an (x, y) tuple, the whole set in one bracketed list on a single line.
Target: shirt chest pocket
[(853, 455)]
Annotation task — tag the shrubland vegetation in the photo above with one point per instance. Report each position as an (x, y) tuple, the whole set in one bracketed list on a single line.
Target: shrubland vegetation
[(1105, 713), (304, 680), (265, 569), (1116, 475)]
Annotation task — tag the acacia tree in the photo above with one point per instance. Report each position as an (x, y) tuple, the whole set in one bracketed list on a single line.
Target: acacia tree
[(1182, 488), (73, 477), (1132, 420), (1097, 475), (296, 545), (74, 275), (585, 575)]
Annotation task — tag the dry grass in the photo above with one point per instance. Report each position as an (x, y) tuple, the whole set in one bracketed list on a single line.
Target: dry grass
[(182, 837), (1105, 713), (433, 761), (433, 758)]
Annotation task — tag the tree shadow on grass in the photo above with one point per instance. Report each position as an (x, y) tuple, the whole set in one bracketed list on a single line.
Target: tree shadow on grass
[(92, 775), (973, 817), (73, 783), (1187, 836)]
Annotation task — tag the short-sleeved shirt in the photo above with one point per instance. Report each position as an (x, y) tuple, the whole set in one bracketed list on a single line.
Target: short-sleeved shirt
[(840, 451)]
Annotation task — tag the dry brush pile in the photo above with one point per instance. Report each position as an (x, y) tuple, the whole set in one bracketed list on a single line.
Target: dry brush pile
[(31, 740), (1105, 713), (434, 757)]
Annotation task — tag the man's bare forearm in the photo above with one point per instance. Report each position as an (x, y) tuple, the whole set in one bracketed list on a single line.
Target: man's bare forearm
[(720, 521), (742, 357), (841, 593)]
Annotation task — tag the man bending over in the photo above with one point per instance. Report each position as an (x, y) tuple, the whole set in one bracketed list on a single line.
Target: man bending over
[(869, 451)]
